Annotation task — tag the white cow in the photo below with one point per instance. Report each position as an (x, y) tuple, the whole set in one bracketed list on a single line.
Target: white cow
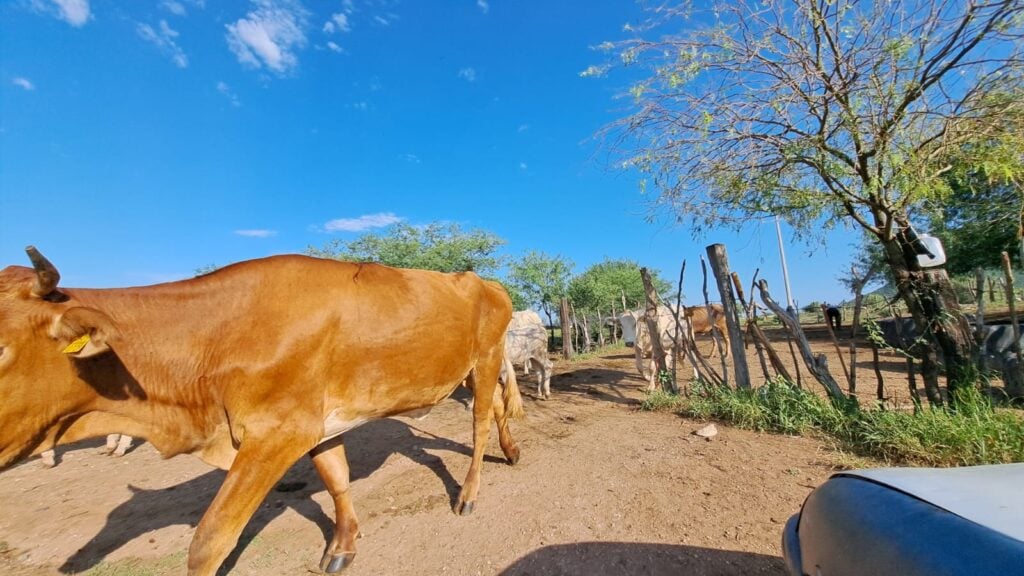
[(117, 445), (635, 334), (526, 343)]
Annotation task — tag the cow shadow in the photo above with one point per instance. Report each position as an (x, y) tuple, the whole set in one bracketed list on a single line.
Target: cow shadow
[(367, 448), (603, 384), (614, 558)]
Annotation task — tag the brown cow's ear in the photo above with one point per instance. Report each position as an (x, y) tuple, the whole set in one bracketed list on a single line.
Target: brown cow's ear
[(84, 332)]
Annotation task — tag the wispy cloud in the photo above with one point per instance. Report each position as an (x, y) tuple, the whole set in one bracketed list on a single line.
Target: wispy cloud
[(176, 8), (483, 5), (74, 12), (338, 23), (257, 233), (333, 47), (163, 39), (224, 89), (362, 223), (468, 74), (269, 35), (410, 158), (523, 128), (23, 83), (362, 105), (523, 166), (385, 19)]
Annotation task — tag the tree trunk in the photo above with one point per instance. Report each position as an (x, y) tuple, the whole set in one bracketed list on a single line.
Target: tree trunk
[(932, 303)]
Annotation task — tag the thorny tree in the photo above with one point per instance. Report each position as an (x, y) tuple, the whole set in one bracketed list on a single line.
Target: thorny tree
[(826, 112)]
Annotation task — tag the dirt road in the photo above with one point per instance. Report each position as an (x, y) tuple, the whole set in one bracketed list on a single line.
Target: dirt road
[(602, 488)]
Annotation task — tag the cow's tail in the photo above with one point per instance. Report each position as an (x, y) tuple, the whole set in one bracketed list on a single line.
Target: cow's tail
[(510, 395)]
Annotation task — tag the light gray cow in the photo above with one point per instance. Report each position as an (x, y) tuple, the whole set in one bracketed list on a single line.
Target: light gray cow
[(526, 344), (117, 445)]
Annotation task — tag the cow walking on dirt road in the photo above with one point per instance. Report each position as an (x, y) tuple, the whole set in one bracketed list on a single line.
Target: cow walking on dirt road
[(250, 368)]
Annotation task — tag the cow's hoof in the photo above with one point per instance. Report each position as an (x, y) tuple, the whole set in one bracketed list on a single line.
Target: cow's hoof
[(465, 509), (334, 563)]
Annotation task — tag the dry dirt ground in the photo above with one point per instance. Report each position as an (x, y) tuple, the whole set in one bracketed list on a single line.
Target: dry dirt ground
[(602, 488)]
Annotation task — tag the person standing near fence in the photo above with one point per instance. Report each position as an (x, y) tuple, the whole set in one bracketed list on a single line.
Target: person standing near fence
[(834, 317)]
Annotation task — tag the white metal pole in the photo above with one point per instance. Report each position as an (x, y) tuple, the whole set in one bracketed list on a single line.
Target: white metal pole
[(785, 272)]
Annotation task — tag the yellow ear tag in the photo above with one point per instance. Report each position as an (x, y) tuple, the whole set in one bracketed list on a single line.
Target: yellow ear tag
[(77, 345)]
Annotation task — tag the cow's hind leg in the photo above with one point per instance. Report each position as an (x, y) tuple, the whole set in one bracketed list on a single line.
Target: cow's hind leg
[(263, 458), (484, 383), (332, 466)]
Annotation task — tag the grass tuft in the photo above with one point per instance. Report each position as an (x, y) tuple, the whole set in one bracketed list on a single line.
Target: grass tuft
[(975, 433)]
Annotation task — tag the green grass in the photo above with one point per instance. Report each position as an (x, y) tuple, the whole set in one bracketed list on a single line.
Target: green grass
[(976, 433)]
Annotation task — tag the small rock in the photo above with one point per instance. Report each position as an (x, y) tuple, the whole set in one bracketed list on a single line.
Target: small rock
[(709, 431)]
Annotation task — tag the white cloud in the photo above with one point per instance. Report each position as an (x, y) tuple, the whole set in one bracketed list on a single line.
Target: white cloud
[(338, 22), (484, 6), (176, 8), (468, 74), (362, 223), (164, 40), (410, 158), (385, 19), (269, 35), (523, 128), (74, 12), (362, 105), (24, 83), (224, 89), (523, 166), (256, 233), (333, 47)]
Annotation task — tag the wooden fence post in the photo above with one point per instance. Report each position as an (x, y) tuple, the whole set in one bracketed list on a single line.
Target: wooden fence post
[(654, 331), (567, 348), (720, 266)]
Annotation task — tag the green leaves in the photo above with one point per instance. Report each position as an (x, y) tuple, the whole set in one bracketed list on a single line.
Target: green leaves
[(436, 246), (542, 279), (603, 286)]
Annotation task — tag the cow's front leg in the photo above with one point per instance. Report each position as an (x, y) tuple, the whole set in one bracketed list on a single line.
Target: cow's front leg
[(332, 466), (263, 458)]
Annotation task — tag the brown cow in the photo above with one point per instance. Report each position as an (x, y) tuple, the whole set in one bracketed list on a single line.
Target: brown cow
[(250, 368), (698, 317)]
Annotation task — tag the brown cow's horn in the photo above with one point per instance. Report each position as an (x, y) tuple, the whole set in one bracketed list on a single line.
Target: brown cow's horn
[(47, 276)]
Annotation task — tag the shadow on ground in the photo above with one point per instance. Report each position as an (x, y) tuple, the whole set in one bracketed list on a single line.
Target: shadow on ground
[(367, 448), (616, 558)]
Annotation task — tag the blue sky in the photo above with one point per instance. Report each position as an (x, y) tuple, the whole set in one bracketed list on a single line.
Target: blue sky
[(142, 140)]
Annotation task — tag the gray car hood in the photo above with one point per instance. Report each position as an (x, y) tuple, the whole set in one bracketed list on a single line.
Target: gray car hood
[(992, 496)]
